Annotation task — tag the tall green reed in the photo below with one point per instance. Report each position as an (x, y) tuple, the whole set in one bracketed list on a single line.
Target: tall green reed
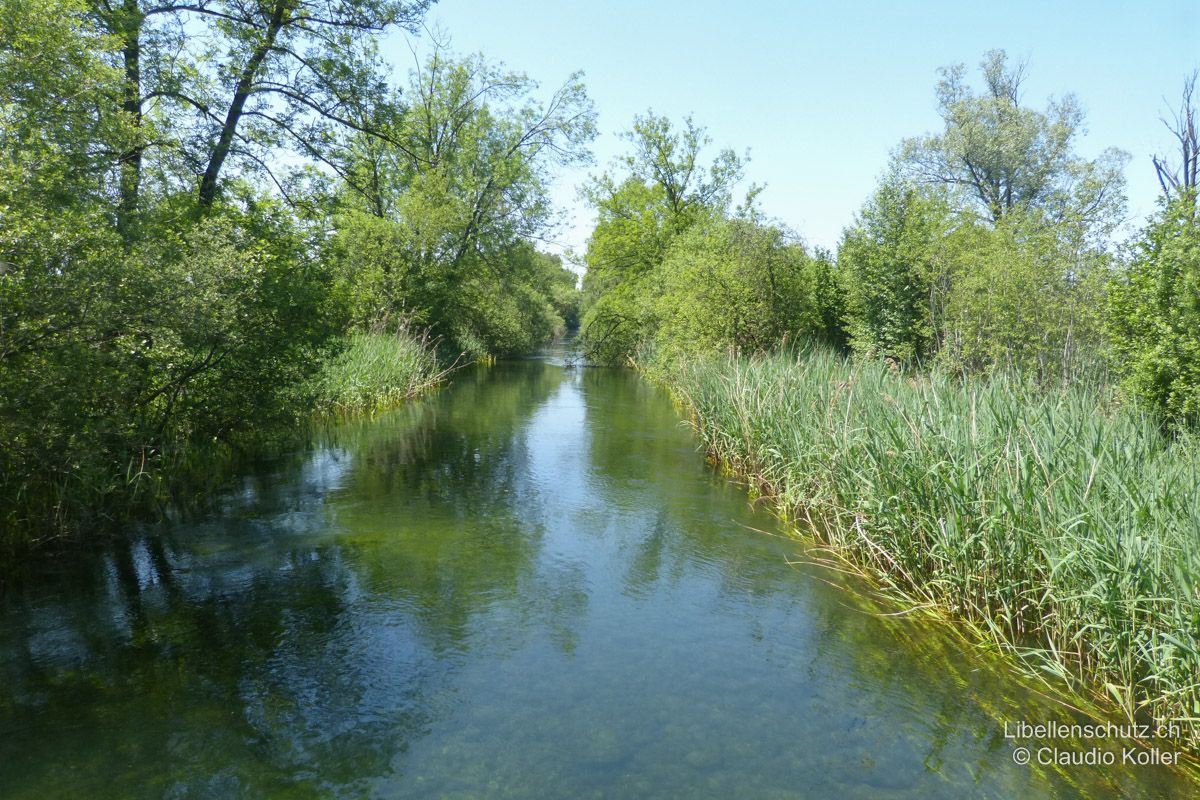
[(1061, 526), (377, 370)]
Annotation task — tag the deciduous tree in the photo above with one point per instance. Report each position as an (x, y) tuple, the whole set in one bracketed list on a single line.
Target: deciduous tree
[(997, 155)]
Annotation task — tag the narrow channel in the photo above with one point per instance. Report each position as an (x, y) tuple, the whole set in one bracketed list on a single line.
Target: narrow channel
[(528, 584)]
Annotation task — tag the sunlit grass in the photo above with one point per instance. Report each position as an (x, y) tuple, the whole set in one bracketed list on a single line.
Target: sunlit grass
[(377, 371), (1061, 526)]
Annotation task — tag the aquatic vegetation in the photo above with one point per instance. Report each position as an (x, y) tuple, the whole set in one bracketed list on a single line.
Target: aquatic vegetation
[(1061, 526), (407, 607), (376, 371)]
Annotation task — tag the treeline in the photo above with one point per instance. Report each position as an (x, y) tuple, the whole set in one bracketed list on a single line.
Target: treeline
[(211, 212), (987, 247), (935, 402)]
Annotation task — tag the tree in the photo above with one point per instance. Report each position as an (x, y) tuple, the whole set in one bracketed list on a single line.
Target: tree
[(228, 79), (59, 143), (660, 190), (1023, 299), (669, 159), (831, 288), (630, 239), (735, 283), (997, 156), (437, 222), (1183, 178), (61, 288), (118, 347), (63, 304), (561, 289), (1154, 315), (1153, 311), (897, 272)]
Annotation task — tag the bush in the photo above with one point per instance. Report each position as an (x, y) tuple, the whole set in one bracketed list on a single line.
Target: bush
[(1023, 299), (1154, 316), (894, 263), (733, 283), (128, 356)]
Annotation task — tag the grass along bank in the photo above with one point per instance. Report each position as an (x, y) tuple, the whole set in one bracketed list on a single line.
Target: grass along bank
[(1061, 527), (376, 371)]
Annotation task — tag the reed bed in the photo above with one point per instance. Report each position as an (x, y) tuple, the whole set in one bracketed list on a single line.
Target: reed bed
[(1060, 526), (376, 371)]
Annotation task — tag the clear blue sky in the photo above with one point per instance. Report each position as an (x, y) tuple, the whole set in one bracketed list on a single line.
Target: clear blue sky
[(820, 93)]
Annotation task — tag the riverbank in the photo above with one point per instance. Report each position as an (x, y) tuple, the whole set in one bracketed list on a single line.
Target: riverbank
[(376, 371), (1058, 526), (369, 372), (435, 583)]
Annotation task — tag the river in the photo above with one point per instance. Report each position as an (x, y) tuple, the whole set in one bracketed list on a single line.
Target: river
[(528, 584)]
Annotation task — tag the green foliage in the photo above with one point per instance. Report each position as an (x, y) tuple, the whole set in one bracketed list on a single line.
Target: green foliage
[(561, 289), (896, 269), (514, 307), (145, 318), (1024, 299), (631, 237), (668, 159), (669, 266), (437, 220), (377, 276), (829, 294), (222, 86), (735, 283), (512, 312), (995, 156), (925, 284), (1057, 526), (120, 353), (243, 319), (1154, 315), (65, 304), (986, 246), (201, 335), (57, 129), (661, 190), (375, 371)]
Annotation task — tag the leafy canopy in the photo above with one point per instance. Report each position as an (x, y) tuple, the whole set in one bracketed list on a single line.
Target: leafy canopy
[(995, 155)]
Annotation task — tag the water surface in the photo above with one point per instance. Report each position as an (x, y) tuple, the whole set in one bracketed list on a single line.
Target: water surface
[(527, 585)]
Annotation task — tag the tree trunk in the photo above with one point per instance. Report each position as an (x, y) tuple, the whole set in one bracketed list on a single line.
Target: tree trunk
[(245, 87), (131, 161)]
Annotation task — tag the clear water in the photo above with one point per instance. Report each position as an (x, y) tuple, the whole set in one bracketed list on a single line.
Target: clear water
[(527, 585)]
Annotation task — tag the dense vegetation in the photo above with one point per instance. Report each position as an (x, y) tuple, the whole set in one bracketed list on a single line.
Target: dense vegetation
[(204, 204), (218, 218), (670, 263), (376, 370), (990, 409), (986, 248), (1050, 521)]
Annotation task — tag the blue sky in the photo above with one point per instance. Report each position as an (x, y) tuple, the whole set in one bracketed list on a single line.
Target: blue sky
[(820, 93)]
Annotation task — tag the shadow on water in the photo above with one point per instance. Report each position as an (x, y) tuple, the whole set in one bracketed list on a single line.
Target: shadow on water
[(526, 585)]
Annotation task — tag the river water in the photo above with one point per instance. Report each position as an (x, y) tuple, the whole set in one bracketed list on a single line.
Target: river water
[(528, 584)]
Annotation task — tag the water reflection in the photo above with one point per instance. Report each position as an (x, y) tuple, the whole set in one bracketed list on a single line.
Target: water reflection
[(527, 585)]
